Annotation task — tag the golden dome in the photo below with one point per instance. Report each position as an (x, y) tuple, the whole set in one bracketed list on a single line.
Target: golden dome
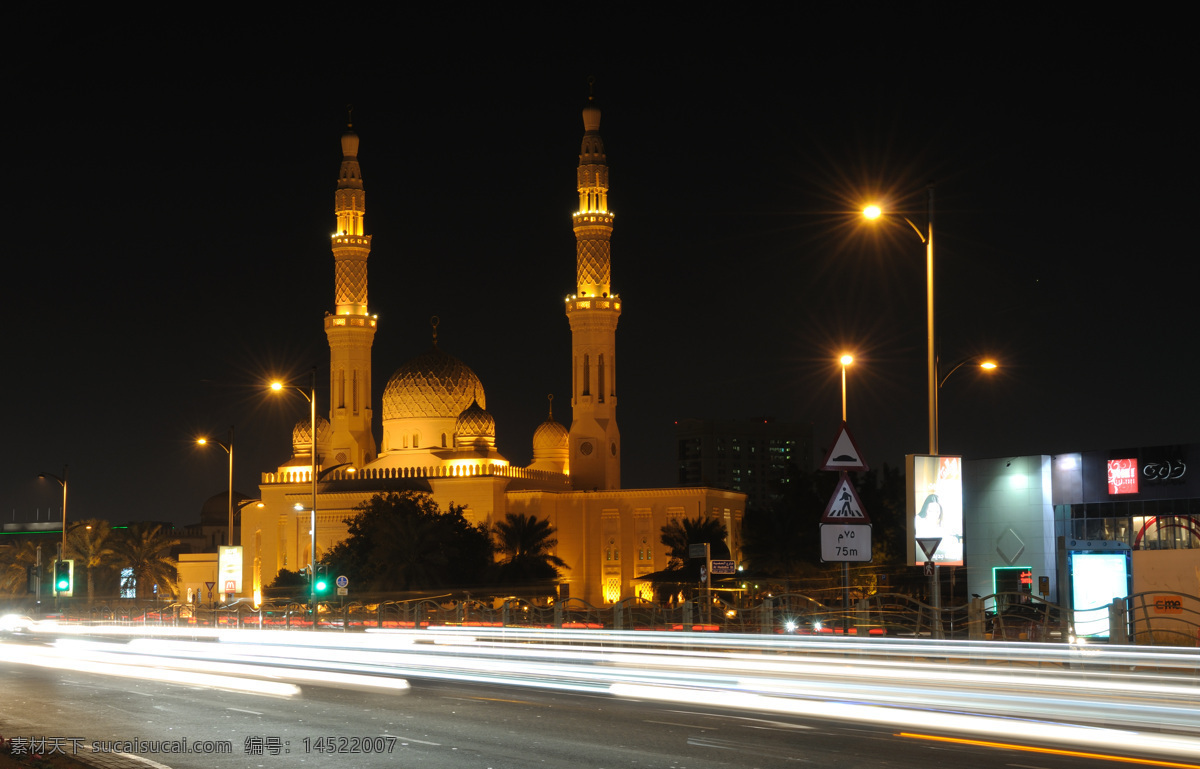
[(302, 435), (475, 422), (432, 385), (550, 435)]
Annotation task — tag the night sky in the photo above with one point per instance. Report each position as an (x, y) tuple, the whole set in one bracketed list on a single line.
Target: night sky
[(171, 199)]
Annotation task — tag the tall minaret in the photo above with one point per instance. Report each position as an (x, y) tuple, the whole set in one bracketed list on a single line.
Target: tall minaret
[(351, 329), (593, 310)]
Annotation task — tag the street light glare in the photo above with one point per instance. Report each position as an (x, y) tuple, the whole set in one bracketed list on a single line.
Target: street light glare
[(989, 365), (846, 360), (872, 212), (202, 441), (276, 385)]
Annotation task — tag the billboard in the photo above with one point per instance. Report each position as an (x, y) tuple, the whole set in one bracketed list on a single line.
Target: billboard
[(229, 570), (1097, 579), (935, 508), (1123, 476)]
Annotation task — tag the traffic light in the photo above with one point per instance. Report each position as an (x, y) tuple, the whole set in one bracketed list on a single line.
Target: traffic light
[(322, 583), (64, 572)]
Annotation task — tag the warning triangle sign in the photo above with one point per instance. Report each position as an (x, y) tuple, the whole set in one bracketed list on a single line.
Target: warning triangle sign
[(845, 506), (845, 454)]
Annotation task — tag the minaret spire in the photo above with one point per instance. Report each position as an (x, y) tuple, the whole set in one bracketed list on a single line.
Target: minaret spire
[(593, 310), (351, 329)]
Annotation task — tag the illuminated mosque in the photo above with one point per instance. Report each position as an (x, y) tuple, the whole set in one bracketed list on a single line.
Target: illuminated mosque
[(438, 436)]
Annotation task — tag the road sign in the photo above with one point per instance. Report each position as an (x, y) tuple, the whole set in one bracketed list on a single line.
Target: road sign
[(698, 551), (724, 567), (341, 581), (845, 506), (846, 542), (210, 585), (343, 591), (845, 454), (929, 545)]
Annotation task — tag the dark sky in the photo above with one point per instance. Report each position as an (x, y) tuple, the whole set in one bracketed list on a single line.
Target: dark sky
[(170, 204)]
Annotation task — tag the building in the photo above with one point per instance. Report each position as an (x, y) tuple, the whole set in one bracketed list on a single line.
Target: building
[(1025, 518), (438, 437), (754, 456)]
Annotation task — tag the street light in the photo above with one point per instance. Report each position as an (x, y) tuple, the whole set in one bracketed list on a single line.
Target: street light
[(845, 360), (875, 212), (228, 450), (311, 395), (986, 365), (312, 566), (61, 482)]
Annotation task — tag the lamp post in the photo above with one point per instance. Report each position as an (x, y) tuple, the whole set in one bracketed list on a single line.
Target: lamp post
[(62, 549), (311, 395), (845, 360), (228, 450), (874, 212)]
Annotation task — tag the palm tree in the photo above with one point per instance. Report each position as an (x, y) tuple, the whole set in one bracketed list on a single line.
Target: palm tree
[(526, 543), (88, 543), (146, 549), (679, 535), (15, 562)]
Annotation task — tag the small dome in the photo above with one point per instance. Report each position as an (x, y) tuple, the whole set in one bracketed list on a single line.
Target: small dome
[(550, 435), (474, 422), (432, 385), (302, 435)]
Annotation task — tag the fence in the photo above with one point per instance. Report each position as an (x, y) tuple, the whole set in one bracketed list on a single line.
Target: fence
[(1144, 618)]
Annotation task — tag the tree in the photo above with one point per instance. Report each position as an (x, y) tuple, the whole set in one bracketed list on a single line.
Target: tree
[(146, 549), (680, 535), (15, 561), (88, 543), (526, 542), (403, 541)]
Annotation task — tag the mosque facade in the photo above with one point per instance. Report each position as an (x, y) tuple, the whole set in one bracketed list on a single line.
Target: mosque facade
[(439, 438)]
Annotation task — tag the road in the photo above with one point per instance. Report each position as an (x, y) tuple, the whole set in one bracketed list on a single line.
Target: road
[(453, 719)]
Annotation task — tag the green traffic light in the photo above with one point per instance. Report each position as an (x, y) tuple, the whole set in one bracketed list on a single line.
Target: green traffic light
[(63, 583), (322, 586)]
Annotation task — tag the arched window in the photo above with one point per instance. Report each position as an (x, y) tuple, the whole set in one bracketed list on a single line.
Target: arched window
[(600, 378), (587, 374)]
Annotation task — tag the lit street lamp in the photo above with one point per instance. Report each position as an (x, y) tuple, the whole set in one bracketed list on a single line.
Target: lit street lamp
[(228, 450), (845, 360), (986, 365), (311, 395), (875, 212)]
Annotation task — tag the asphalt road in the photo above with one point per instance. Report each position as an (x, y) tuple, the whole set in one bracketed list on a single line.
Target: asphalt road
[(460, 724)]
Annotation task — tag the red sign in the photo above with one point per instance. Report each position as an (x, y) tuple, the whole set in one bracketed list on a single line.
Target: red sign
[(1122, 476)]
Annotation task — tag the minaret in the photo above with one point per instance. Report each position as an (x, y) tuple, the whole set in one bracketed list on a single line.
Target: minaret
[(351, 329), (593, 310)]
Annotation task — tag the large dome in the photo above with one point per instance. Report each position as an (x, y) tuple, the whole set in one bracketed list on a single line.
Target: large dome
[(432, 385)]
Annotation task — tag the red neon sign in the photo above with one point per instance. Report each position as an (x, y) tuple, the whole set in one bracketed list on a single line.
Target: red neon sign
[(1122, 476)]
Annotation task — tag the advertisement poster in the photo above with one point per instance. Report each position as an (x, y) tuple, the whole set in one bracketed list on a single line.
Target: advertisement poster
[(935, 508), (229, 570)]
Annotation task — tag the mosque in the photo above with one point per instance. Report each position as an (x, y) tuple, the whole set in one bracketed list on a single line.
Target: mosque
[(438, 436)]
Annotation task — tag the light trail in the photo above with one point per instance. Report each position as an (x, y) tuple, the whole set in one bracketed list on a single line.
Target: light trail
[(1050, 751), (1075, 696)]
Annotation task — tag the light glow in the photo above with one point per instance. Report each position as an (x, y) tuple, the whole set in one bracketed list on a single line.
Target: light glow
[(872, 212)]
